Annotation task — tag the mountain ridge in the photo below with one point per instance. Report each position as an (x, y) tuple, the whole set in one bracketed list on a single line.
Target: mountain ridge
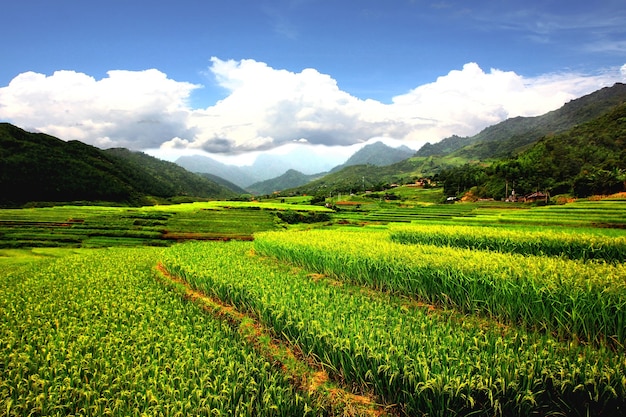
[(588, 159), (37, 167), (520, 132), (378, 154), (290, 179)]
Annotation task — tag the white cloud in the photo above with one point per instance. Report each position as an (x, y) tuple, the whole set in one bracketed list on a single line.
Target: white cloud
[(267, 108), (135, 109), (465, 101)]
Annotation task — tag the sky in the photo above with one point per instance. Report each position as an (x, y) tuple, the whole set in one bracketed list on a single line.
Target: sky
[(234, 78)]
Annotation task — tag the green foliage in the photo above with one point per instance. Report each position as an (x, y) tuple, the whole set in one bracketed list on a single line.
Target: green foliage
[(294, 217), (589, 159), (457, 180)]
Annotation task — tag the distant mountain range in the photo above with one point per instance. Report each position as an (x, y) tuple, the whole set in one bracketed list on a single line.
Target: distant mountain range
[(39, 167), (205, 165), (269, 170), (265, 166)]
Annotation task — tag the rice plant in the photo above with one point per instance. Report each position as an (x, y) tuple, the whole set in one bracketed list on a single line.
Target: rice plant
[(525, 242), (573, 299), (426, 363), (94, 334)]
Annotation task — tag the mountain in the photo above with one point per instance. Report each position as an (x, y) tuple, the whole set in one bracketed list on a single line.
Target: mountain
[(206, 165), (377, 154), (514, 135), (265, 167), (300, 159), (289, 179), (40, 167), (588, 159)]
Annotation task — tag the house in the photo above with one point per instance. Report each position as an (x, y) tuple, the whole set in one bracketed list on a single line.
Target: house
[(534, 197)]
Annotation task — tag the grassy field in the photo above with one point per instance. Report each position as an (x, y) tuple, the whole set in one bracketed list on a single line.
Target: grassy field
[(399, 308)]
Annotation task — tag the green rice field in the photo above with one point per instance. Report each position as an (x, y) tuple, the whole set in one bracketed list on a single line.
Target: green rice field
[(221, 309)]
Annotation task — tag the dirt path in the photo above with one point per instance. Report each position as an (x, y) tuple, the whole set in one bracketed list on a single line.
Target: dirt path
[(306, 375)]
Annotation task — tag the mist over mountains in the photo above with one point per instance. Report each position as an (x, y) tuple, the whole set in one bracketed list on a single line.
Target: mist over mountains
[(270, 166), (265, 167)]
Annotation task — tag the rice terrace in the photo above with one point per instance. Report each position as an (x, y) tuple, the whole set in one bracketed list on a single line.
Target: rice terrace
[(222, 308)]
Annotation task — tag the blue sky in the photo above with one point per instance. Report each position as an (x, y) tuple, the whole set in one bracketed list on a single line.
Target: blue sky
[(344, 72)]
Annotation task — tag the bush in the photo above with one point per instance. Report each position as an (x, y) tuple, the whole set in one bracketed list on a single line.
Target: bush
[(294, 217)]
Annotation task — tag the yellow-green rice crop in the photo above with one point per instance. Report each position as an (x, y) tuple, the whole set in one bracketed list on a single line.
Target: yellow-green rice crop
[(95, 335), (571, 298), (438, 364), (550, 243)]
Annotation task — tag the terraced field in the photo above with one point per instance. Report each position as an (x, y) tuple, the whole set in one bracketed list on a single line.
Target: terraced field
[(595, 214), (478, 310), (92, 226)]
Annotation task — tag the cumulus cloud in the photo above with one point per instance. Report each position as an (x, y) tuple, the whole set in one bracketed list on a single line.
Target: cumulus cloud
[(267, 108), (134, 109), (465, 101)]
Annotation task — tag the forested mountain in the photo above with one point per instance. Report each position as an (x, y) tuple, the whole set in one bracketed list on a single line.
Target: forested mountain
[(513, 135), (40, 167), (588, 159), (289, 179)]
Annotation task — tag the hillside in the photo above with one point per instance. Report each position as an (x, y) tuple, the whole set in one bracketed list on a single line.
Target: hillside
[(514, 135), (587, 159), (225, 183), (39, 167)]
